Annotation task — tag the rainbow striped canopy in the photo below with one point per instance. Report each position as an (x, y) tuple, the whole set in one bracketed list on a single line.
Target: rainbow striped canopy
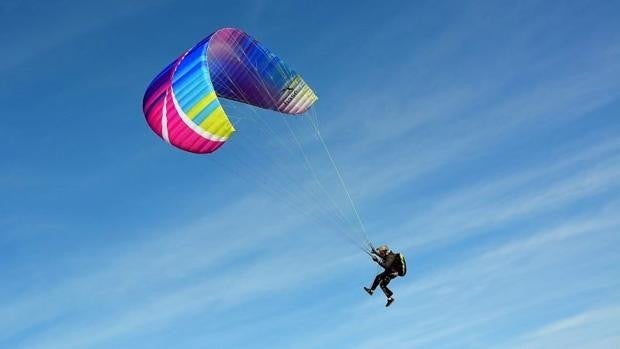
[(182, 105)]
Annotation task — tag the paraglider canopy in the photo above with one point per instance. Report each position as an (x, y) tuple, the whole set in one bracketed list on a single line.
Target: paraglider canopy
[(182, 105)]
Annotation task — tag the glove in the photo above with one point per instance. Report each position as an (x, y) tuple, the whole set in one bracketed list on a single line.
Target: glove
[(374, 258)]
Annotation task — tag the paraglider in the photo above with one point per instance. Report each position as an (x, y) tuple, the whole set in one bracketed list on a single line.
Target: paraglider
[(394, 265), (182, 105)]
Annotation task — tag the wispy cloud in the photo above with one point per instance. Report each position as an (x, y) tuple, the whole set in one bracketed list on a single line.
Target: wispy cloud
[(219, 292), (590, 329), (523, 197), (424, 125), (471, 300), (193, 269), (512, 253)]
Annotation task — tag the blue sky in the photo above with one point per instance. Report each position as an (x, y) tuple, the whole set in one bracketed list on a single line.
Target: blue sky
[(480, 138)]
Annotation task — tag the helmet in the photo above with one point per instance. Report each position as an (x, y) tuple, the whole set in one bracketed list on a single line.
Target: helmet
[(383, 249)]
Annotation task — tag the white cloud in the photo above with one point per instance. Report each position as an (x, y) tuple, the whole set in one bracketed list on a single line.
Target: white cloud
[(591, 329)]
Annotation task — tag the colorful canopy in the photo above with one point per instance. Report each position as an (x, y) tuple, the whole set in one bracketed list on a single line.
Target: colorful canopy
[(182, 103)]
